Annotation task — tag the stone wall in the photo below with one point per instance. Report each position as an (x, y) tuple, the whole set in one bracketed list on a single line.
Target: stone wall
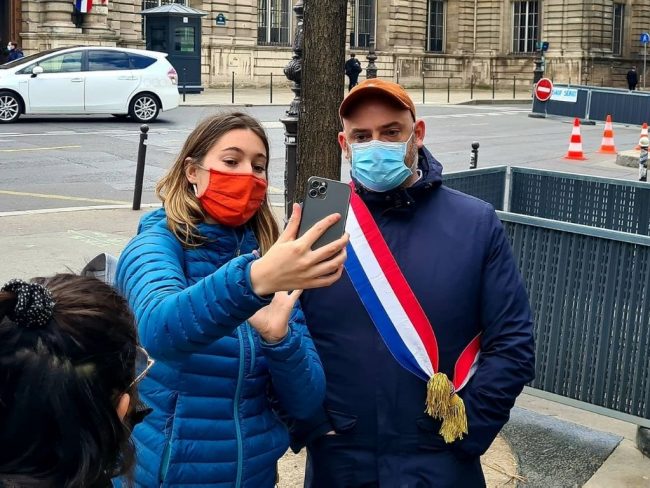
[(478, 40)]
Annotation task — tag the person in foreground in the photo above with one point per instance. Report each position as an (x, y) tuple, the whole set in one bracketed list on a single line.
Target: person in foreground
[(70, 360), (214, 312), (427, 339)]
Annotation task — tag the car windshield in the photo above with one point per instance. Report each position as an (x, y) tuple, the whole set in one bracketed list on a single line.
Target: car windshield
[(28, 59)]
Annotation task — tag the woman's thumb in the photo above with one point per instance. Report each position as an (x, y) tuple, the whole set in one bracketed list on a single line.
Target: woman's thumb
[(290, 232)]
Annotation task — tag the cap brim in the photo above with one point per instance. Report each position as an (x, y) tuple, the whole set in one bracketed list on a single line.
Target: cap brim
[(368, 92)]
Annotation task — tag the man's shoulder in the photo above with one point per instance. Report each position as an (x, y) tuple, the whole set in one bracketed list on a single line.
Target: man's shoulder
[(467, 203)]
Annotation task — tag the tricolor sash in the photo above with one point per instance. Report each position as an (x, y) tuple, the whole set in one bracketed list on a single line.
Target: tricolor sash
[(401, 322)]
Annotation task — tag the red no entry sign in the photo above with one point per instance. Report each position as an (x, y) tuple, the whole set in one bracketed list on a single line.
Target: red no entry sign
[(544, 89)]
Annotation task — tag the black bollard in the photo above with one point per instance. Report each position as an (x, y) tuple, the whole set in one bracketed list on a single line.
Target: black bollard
[(423, 89), (232, 85), (139, 171), (473, 158), (271, 90), (514, 87), (471, 88), (184, 82), (493, 86)]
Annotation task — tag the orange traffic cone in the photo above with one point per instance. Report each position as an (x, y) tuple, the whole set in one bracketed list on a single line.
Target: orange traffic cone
[(644, 133), (607, 145), (575, 146)]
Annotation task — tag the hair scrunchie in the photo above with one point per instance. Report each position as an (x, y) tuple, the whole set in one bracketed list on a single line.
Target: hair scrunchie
[(35, 304)]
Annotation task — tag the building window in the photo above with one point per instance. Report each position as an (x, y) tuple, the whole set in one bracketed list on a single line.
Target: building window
[(273, 22), (436, 26), (158, 3), (525, 30), (363, 23), (617, 30)]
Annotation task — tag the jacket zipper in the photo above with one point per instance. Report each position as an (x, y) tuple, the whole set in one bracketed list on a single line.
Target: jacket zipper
[(240, 379), (251, 343), (240, 241), (166, 456)]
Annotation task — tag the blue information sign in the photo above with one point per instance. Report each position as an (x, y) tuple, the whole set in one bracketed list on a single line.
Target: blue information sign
[(221, 19), (645, 38)]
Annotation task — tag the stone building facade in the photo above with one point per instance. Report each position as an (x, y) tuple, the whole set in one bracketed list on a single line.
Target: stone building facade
[(591, 41)]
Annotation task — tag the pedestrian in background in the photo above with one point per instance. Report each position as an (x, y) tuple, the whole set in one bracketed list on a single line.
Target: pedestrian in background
[(208, 278), (70, 360), (352, 70), (632, 79), (14, 52)]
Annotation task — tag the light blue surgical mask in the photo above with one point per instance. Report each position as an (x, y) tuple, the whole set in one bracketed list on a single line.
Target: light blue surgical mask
[(380, 166)]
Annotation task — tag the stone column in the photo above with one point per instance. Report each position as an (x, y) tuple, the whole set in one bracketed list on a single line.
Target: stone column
[(58, 15), (96, 21)]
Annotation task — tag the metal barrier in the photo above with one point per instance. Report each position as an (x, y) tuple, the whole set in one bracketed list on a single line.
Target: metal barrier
[(488, 184), (589, 290), (606, 203), (596, 103)]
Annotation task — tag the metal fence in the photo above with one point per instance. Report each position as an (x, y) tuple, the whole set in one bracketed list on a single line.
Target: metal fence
[(606, 203), (590, 294), (596, 103), (488, 184)]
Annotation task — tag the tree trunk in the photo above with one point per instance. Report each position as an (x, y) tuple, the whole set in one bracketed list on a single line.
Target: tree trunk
[(322, 91)]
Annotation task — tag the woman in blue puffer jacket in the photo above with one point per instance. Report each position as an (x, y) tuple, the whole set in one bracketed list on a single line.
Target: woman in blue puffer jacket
[(207, 277)]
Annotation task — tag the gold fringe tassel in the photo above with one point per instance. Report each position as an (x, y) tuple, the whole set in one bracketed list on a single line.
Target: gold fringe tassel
[(438, 395), (444, 404), (454, 423)]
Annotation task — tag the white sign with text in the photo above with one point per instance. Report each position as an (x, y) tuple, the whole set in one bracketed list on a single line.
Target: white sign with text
[(561, 94)]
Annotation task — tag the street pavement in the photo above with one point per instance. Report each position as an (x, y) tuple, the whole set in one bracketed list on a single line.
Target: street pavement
[(60, 209)]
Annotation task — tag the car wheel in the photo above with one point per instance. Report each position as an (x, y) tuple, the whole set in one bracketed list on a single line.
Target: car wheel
[(10, 107), (144, 108)]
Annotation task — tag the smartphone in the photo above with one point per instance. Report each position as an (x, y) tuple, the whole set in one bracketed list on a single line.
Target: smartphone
[(325, 197)]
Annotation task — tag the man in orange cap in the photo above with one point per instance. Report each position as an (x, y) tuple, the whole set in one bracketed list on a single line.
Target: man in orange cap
[(427, 339)]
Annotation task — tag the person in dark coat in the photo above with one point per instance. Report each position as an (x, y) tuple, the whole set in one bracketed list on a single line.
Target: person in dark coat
[(14, 52), (632, 79), (453, 252), (352, 70)]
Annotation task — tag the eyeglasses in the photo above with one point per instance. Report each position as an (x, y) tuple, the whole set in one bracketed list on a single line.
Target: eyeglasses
[(143, 363)]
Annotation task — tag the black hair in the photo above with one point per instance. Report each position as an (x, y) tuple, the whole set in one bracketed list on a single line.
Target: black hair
[(60, 384)]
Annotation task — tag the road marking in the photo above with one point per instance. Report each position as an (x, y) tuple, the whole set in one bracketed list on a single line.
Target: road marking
[(61, 197), (39, 149), (40, 211)]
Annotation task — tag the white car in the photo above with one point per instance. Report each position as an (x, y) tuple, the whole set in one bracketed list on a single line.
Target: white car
[(89, 80)]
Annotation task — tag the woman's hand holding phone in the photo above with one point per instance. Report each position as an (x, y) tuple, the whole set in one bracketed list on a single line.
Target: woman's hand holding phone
[(290, 264)]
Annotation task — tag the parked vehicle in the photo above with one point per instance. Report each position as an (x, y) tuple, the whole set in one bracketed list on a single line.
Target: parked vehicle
[(89, 80)]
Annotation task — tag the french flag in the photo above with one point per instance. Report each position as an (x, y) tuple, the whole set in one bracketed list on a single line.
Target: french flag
[(83, 6)]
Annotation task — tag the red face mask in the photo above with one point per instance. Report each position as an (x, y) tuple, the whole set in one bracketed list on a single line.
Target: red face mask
[(233, 198)]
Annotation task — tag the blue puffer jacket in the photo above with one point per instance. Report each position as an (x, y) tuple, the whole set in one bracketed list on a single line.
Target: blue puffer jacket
[(214, 378)]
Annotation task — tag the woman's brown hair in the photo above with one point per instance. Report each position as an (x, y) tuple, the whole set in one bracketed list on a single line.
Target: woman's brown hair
[(184, 212)]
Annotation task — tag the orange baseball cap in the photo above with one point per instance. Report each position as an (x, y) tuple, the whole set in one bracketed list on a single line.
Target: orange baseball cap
[(376, 87)]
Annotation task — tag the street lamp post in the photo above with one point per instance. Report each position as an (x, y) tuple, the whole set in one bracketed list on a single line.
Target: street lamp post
[(371, 70), (293, 72)]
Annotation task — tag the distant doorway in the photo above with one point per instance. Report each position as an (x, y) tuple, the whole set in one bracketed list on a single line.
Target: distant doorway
[(10, 23)]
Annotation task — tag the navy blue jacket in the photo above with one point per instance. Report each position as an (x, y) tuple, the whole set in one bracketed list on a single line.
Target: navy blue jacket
[(455, 255), (214, 378)]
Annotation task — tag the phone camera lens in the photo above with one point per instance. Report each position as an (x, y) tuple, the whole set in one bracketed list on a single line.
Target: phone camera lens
[(313, 193), (322, 190), (315, 184)]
